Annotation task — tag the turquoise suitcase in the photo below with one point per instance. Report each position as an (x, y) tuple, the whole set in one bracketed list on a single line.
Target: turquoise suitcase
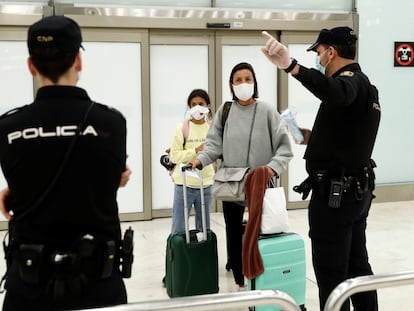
[(284, 262)]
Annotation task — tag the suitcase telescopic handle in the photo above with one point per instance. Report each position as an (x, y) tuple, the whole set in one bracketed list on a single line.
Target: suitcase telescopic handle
[(186, 167), (203, 209), (189, 165)]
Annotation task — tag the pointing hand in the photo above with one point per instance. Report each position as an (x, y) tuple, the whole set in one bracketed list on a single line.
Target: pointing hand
[(276, 52)]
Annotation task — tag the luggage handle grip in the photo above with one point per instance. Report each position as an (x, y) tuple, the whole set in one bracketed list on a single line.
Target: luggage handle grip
[(189, 165), (203, 211)]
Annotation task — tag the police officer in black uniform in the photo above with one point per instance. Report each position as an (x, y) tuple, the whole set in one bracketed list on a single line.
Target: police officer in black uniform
[(63, 157), (338, 159)]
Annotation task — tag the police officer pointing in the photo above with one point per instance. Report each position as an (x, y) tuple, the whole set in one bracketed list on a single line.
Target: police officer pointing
[(63, 157), (338, 159)]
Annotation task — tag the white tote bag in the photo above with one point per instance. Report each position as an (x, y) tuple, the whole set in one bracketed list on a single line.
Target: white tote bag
[(275, 218)]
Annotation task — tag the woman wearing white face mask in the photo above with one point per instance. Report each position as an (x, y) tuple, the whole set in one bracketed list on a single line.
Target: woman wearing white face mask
[(252, 136)]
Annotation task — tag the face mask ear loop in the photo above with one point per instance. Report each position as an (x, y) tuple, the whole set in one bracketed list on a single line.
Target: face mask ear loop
[(329, 60), (318, 64)]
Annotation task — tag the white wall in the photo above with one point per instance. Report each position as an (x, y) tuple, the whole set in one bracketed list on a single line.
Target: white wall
[(381, 23), (116, 83), (15, 80), (175, 71)]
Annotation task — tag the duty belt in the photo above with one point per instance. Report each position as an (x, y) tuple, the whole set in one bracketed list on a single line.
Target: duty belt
[(37, 262), (65, 273), (335, 183)]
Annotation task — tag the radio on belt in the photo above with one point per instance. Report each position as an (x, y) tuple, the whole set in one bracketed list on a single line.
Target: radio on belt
[(335, 195)]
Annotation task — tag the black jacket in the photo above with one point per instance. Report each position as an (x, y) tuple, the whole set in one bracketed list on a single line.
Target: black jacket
[(347, 121), (33, 142)]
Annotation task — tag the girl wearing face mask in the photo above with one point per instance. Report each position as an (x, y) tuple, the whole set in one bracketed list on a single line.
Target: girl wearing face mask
[(268, 146), (183, 150)]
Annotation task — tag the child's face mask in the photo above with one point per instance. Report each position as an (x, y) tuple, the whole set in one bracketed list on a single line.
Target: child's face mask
[(198, 112)]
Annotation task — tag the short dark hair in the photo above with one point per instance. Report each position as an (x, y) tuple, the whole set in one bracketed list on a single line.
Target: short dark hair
[(55, 68), (344, 51), (198, 93), (242, 66)]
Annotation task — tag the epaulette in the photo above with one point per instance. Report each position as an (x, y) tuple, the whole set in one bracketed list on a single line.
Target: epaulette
[(347, 74), (12, 111), (110, 108)]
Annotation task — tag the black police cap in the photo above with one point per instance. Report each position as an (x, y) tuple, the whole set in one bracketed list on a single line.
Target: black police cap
[(58, 32), (335, 36)]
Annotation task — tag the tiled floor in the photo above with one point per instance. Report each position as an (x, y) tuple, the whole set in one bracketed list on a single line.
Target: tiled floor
[(390, 237)]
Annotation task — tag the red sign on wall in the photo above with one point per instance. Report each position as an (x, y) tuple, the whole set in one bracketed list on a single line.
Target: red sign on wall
[(403, 54)]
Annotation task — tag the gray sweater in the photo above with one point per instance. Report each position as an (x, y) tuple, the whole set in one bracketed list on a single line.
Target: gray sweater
[(269, 146)]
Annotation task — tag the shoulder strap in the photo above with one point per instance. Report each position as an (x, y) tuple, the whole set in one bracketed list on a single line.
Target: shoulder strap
[(225, 113), (186, 129), (62, 165), (250, 135), (13, 111)]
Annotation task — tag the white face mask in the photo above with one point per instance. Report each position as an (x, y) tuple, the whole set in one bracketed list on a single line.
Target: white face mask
[(243, 91), (197, 112)]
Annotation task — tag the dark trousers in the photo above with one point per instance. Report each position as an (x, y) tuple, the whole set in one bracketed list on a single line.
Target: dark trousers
[(101, 293), (233, 218), (339, 246)]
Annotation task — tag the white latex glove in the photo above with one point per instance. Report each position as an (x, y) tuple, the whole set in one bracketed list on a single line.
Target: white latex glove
[(276, 52)]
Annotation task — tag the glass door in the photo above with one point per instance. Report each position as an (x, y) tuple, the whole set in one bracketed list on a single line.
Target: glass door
[(180, 61)]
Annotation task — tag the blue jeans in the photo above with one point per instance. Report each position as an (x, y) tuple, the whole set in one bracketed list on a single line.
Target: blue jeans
[(193, 199)]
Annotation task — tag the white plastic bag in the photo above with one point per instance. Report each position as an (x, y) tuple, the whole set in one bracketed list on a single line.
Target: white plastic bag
[(275, 218), (288, 117)]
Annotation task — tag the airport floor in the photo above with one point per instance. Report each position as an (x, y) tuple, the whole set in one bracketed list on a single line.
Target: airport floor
[(390, 245)]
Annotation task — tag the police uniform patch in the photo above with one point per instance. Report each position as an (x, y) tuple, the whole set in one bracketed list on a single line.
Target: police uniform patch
[(110, 108), (114, 109), (347, 74), (13, 111)]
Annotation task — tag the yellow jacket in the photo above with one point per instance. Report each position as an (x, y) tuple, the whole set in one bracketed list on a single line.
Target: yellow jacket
[(183, 152)]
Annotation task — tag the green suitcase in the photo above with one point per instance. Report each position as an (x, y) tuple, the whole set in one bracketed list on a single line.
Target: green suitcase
[(191, 268), (191, 262), (284, 262)]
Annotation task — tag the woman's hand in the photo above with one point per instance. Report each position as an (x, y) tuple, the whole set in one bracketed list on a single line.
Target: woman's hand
[(270, 172), (194, 164)]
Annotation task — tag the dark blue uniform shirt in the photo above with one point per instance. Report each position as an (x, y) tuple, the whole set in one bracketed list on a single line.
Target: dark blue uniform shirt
[(347, 121), (33, 142)]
